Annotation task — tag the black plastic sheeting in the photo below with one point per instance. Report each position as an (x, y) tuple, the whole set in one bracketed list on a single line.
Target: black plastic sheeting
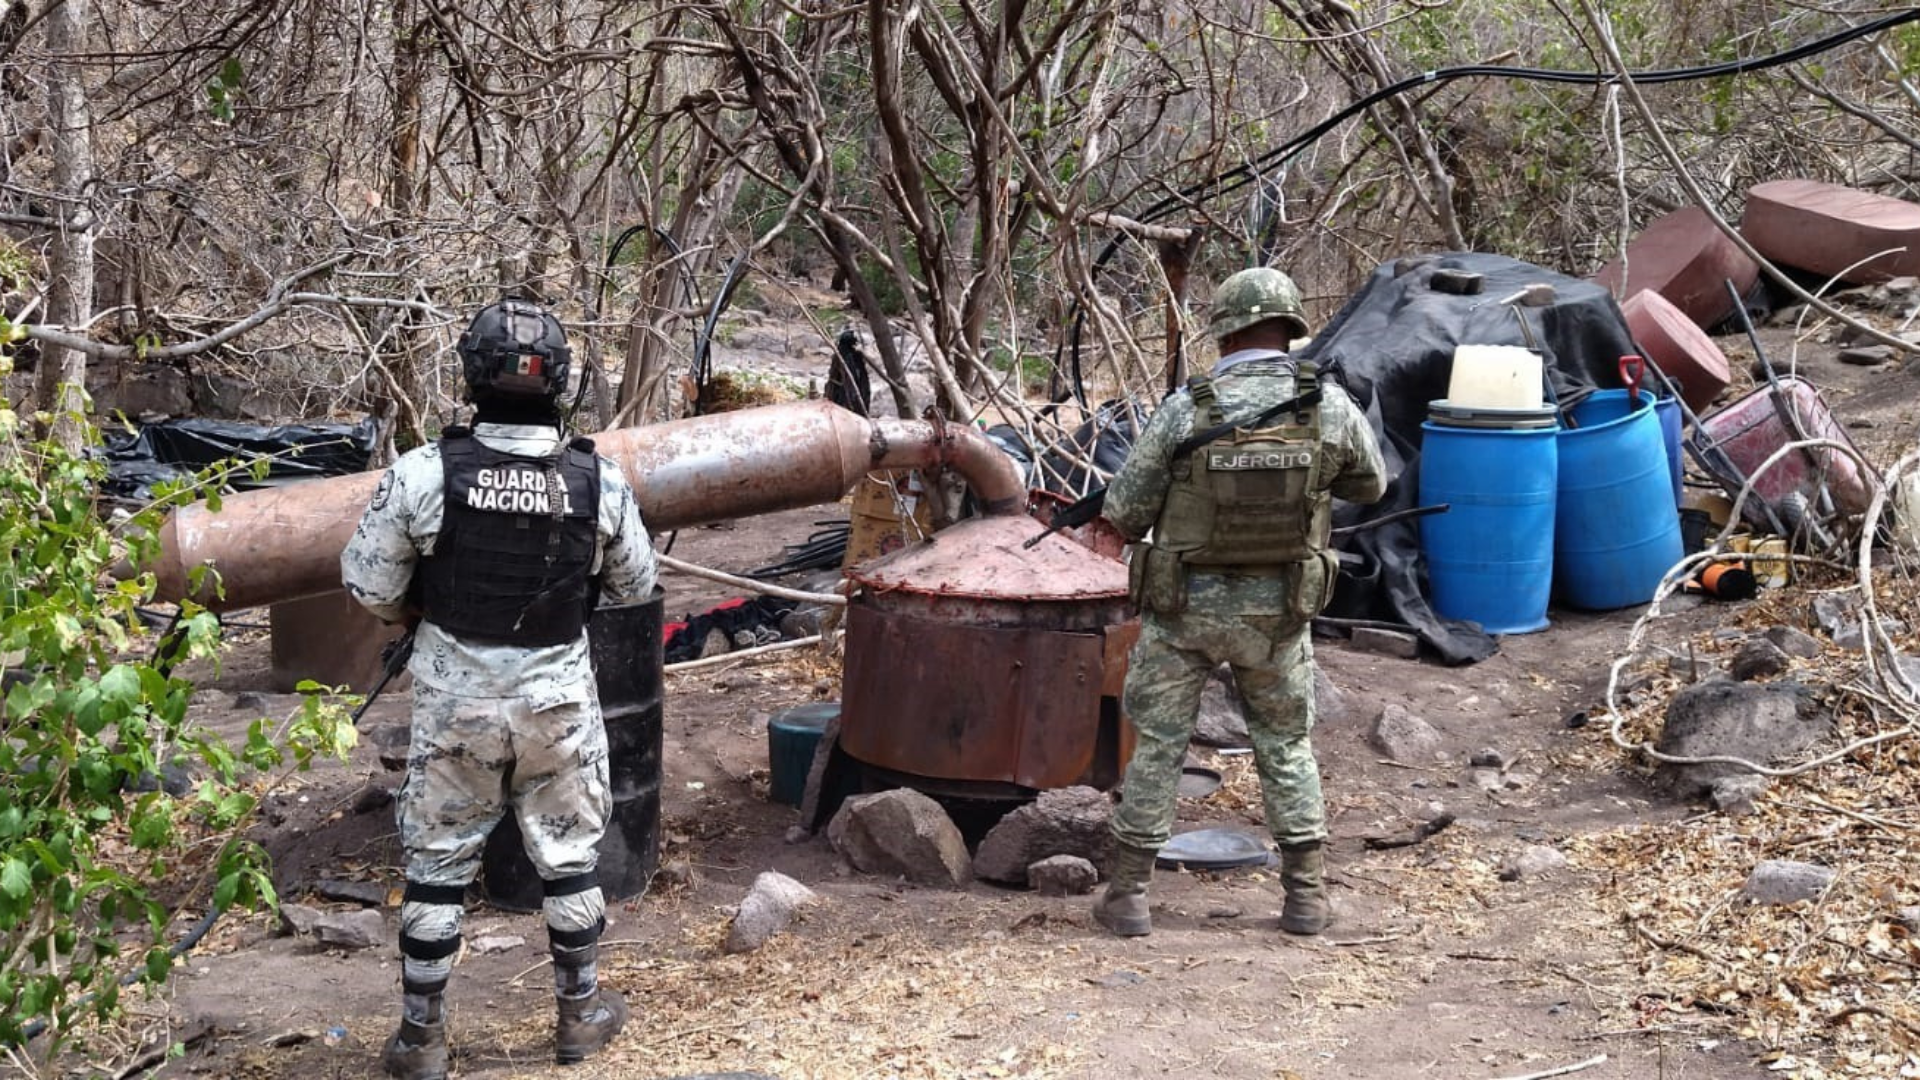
[(1392, 345), (1106, 438), (178, 449)]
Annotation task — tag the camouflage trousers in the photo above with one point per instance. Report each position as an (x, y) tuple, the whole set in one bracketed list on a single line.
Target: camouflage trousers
[(473, 759), (1272, 661)]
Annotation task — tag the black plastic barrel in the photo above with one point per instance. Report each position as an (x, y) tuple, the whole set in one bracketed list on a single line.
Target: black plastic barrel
[(625, 644)]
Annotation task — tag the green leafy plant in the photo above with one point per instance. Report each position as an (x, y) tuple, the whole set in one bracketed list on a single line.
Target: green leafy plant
[(94, 853)]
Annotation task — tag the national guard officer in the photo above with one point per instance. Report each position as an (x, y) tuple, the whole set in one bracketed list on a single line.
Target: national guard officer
[(499, 540), (1237, 498)]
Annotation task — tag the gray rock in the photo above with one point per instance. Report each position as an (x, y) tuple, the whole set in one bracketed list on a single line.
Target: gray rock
[(1734, 795), (900, 833), (350, 930), (818, 773), (1062, 875), (1782, 881), (225, 397), (1064, 821), (298, 919), (1222, 719), (390, 742), (1758, 659), (372, 797), (1488, 758), (1831, 612), (1386, 642), (1786, 316), (1329, 701), (251, 701), (1533, 861), (1695, 668), (141, 390), (1404, 737), (1909, 917), (370, 893), (488, 944), (1852, 636), (768, 908), (1865, 355), (1909, 669), (1764, 723), (1794, 642)]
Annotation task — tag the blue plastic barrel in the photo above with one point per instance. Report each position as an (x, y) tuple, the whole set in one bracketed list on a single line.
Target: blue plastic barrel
[(1617, 530), (1668, 410), (1490, 557)]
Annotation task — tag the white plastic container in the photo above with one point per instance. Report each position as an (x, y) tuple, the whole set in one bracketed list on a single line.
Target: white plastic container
[(1495, 377)]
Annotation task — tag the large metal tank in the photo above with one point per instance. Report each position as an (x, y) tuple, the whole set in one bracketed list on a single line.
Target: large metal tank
[(978, 668)]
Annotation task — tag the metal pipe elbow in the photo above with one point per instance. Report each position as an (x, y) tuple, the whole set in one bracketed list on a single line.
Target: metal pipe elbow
[(931, 444)]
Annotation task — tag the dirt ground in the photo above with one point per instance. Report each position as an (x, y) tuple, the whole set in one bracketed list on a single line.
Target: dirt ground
[(1435, 967)]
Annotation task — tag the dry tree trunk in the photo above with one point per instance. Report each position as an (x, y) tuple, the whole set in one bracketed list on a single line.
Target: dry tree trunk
[(61, 380)]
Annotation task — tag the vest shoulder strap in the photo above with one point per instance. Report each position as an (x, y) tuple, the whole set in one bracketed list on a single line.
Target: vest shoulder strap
[(1200, 388), (1306, 386)]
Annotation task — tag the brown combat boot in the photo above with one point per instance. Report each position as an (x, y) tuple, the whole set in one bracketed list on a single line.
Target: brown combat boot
[(1122, 907), (1304, 874), (417, 1052), (588, 1024)]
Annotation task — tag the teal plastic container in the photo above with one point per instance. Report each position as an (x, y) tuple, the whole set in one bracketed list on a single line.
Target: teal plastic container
[(1617, 527), (792, 737), (1490, 557)]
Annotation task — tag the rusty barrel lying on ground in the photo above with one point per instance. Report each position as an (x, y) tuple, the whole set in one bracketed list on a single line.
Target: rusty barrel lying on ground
[(1830, 229), (1685, 258)]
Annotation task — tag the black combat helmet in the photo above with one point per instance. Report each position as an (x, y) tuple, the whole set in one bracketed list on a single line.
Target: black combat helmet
[(515, 349)]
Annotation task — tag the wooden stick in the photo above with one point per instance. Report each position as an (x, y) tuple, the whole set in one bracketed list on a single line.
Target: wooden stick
[(1563, 1070), (831, 599)]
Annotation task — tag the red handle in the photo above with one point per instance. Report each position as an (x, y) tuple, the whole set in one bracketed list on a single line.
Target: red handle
[(1632, 370)]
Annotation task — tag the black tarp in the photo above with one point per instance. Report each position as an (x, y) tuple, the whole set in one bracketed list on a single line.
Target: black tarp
[(1392, 345), (177, 449)]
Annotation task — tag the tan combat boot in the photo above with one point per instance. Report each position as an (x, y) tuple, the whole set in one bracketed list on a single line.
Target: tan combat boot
[(1304, 874), (588, 1024), (1122, 908), (417, 1052)]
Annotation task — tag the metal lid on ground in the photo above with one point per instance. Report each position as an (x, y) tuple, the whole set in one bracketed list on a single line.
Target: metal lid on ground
[(1214, 849)]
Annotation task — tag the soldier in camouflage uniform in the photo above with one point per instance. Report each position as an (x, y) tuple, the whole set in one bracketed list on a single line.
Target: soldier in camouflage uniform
[(1236, 566), (498, 541)]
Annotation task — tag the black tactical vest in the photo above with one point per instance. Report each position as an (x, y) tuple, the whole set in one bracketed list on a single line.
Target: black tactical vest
[(509, 566)]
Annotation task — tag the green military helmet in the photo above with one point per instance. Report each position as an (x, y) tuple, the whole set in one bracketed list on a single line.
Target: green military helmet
[(1254, 296)]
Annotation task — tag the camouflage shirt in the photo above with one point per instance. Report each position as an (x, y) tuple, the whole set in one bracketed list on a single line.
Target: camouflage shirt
[(403, 520), (1244, 384)]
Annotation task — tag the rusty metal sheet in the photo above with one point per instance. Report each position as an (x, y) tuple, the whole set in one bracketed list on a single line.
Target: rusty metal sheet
[(328, 638), (972, 703), (987, 558)]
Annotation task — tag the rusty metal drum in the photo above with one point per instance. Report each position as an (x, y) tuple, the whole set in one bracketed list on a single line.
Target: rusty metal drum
[(977, 667)]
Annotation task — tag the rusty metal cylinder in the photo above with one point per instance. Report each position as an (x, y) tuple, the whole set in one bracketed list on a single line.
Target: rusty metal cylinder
[(284, 543)]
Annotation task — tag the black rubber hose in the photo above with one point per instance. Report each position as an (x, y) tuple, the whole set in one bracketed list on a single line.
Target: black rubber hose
[(180, 948), (1241, 175)]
